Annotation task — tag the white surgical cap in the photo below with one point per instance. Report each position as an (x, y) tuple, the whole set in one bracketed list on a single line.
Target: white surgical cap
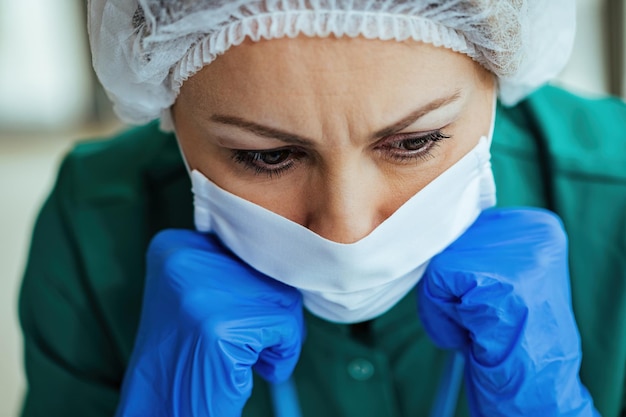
[(143, 50)]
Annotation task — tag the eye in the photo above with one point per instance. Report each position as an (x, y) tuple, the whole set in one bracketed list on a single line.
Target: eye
[(273, 157), (411, 146), (270, 162)]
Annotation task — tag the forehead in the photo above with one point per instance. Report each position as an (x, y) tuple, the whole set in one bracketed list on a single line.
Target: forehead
[(326, 60), (304, 75)]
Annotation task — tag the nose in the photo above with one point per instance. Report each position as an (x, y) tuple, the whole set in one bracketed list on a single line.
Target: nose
[(346, 205)]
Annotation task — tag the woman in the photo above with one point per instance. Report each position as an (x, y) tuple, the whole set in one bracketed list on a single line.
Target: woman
[(339, 154)]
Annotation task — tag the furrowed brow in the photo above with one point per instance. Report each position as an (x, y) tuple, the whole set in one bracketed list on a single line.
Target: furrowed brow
[(260, 130), (287, 137), (416, 115)]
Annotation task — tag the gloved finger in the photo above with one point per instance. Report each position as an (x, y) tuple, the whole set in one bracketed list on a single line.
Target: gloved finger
[(269, 343), (484, 318), (480, 310), (438, 315), (282, 349)]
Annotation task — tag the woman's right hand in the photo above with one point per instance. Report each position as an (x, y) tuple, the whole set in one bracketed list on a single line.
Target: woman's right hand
[(207, 320)]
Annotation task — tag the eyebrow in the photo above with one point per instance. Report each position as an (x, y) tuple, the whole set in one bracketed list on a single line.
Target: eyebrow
[(417, 114), (272, 133)]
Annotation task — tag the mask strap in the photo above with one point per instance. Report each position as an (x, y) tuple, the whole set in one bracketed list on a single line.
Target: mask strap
[(449, 386), (182, 154), (494, 107), (285, 399)]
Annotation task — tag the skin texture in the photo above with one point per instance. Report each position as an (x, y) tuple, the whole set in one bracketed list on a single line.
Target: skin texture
[(348, 170)]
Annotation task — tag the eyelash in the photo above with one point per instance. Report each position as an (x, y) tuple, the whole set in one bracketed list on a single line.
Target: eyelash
[(288, 157), (427, 143), (252, 159)]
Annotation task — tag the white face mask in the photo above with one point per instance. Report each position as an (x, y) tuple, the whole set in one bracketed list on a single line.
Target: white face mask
[(350, 283)]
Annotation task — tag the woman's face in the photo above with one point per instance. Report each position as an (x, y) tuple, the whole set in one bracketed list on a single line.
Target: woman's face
[(334, 134)]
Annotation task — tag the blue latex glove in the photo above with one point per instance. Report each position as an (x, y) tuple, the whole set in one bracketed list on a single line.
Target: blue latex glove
[(501, 295), (207, 320)]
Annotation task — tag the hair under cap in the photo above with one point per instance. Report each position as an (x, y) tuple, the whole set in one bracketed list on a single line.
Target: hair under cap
[(143, 50)]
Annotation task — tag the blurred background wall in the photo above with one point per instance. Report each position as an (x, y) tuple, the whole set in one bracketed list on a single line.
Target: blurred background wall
[(49, 98)]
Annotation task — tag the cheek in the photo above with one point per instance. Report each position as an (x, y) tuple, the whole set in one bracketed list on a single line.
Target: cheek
[(446, 153), (465, 134), (464, 141)]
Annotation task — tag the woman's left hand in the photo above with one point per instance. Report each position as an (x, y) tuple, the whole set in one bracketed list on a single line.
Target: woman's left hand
[(501, 294)]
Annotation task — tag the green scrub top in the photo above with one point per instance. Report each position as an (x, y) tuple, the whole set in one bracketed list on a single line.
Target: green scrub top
[(81, 295)]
